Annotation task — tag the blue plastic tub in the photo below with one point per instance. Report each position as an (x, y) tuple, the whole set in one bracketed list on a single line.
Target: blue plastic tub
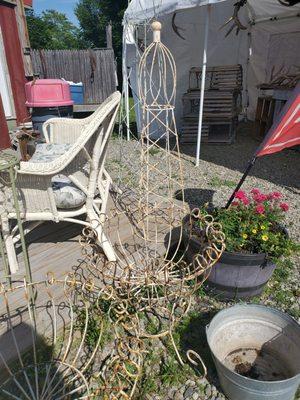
[(77, 94)]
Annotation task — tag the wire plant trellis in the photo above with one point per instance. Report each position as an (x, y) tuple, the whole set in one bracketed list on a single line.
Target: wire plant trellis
[(150, 286)]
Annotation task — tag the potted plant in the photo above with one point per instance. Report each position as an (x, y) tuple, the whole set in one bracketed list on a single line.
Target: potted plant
[(255, 240)]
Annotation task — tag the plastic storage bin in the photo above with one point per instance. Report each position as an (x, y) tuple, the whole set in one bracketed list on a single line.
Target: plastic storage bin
[(48, 98), (48, 93), (77, 94)]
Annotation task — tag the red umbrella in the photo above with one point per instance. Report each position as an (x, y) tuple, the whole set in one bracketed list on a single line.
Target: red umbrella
[(285, 131)]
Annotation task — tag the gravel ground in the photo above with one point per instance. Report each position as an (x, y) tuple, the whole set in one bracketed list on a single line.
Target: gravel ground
[(220, 169)]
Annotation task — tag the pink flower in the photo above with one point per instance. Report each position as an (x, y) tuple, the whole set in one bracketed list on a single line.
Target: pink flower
[(255, 191), (284, 206), (276, 195), (240, 194), (245, 201), (260, 198), (260, 209)]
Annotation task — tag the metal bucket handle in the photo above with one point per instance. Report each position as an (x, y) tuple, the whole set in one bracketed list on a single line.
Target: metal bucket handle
[(190, 353)]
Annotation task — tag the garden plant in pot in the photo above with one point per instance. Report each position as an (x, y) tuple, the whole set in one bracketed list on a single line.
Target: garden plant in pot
[(255, 240)]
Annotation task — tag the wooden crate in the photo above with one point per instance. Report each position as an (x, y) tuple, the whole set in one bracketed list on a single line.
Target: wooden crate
[(268, 107), (222, 132), (228, 77), (220, 108)]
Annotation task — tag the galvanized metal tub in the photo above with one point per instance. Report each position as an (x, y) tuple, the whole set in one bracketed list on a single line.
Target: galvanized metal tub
[(256, 350)]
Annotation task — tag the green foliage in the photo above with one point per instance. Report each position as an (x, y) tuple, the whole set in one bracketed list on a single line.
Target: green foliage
[(154, 150), (97, 321), (169, 372), (217, 182), (253, 225), (95, 15), (162, 369), (284, 295), (148, 385), (52, 30)]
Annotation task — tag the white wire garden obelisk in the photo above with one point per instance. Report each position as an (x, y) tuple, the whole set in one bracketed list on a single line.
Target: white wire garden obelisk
[(159, 180), (149, 287)]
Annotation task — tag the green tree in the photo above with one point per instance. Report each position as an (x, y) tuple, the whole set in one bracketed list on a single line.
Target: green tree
[(95, 15), (53, 30)]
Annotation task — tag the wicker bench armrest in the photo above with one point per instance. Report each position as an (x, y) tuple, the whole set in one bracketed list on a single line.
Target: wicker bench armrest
[(63, 130), (45, 169)]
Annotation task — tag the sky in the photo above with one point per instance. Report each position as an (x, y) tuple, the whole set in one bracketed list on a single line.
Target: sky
[(64, 6)]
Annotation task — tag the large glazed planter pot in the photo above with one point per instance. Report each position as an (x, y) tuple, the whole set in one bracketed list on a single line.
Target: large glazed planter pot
[(235, 275)]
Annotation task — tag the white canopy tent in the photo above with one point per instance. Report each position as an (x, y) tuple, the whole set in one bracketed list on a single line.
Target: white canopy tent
[(271, 42)]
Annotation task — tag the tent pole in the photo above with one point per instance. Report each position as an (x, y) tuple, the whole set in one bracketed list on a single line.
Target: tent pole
[(127, 107), (125, 86), (204, 64)]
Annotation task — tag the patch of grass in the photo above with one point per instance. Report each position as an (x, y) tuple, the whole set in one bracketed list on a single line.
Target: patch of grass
[(171, 373), (150, 380), (115, 161), (97, 319), (283, 270), (201, 292), (280, 291), (148, 385), (153, 151), (162, 368), (217, 182)]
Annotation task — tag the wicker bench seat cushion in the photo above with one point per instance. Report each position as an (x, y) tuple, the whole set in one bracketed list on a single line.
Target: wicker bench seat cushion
[(66, 194)]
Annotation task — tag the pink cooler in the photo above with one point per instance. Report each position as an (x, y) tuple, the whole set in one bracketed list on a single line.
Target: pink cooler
[(48, 98), (48, 93)]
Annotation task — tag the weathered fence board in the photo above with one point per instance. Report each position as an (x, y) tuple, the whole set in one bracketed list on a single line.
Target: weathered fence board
[(96, 69)]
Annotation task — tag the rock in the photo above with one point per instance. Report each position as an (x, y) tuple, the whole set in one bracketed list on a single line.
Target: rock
[(171, 392), (189, 382), (208, 391), (182, 389), (201, 381), (178, 396), (188, 393), (195, 396)]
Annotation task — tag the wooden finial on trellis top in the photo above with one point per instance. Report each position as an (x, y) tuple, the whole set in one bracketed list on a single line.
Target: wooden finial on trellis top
[(156, 27)]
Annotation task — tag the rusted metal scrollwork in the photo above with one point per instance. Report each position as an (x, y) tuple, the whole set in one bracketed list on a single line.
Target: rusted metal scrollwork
[(148, 304), (46, 339)]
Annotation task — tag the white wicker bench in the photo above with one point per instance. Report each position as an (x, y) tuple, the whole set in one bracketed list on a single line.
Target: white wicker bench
[(83, 145)]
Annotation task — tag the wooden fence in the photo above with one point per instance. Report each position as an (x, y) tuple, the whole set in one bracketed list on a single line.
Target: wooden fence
[(96, 69)]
